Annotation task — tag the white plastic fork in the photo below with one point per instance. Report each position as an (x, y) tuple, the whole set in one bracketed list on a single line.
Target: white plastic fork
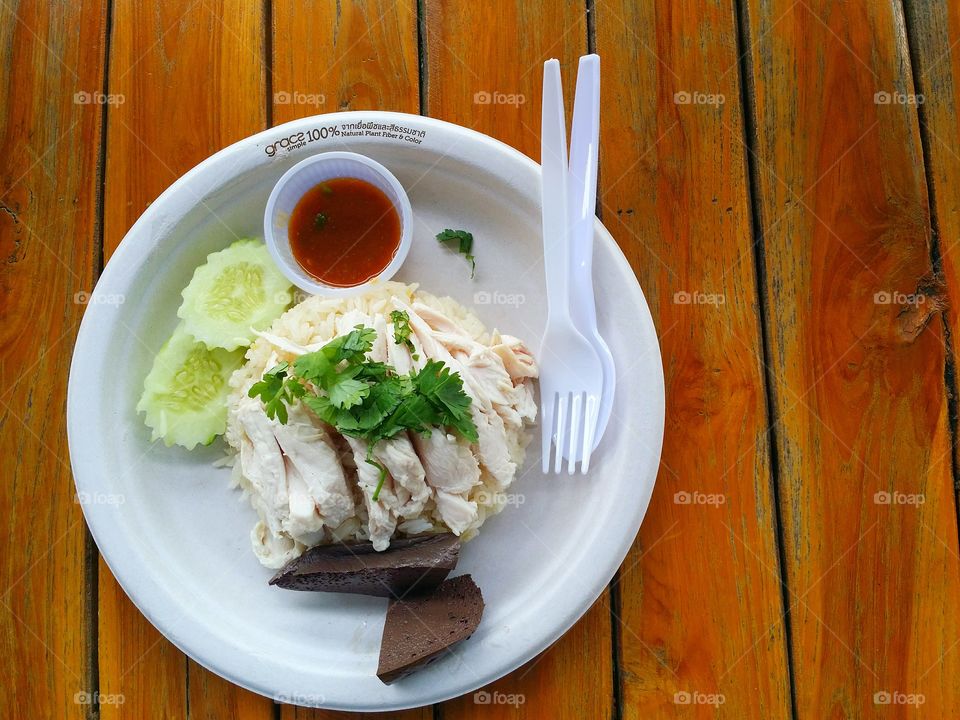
[(582, 192), (571, 377)]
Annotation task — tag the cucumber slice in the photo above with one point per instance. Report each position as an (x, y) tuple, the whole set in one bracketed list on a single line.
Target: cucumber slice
[(185, 394), (236, 291)]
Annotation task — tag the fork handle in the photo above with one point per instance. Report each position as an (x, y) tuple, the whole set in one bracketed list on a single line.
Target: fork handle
[(584, 151), (553, 161)]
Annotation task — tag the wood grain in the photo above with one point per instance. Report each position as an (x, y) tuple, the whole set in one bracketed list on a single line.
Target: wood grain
[(857, 365), (934, 29), (700, 602), (484, 70), (345, 56), (332, 56), (50, 55), (193, 78)]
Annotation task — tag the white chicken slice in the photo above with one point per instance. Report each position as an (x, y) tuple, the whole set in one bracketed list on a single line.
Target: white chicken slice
[(287, 345), (381, 513), (517, 359), (303, 521), (308, 449), (273, 551), (457, 512), (400, 459), (261, 463), (448, 460), (378, 353)]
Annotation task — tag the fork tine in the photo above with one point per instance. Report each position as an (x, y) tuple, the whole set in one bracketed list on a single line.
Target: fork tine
[(547, 423), (573, 447), (590, 415), (561, 431)]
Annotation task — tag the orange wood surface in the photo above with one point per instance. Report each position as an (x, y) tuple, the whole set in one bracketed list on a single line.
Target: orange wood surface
[(784, 195), (699, 595), (49, 140), (857, 368)]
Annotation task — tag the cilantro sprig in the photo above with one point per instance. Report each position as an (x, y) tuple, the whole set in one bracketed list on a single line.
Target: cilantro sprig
[(401, 331), (365, 399), (464, 241)]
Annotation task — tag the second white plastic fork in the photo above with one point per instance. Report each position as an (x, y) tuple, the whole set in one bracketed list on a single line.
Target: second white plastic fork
[(571, 376)]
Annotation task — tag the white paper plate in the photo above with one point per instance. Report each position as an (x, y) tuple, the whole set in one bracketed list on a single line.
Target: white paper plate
[(177, 538)]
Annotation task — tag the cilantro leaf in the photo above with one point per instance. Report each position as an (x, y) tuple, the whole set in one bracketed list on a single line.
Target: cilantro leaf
[(401, 331), (348, 392), (444, 390), (464, 241), (313, 366)]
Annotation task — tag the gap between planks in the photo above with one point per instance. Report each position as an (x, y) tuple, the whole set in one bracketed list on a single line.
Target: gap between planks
[(748, 110), (91, 556), (936, 257)]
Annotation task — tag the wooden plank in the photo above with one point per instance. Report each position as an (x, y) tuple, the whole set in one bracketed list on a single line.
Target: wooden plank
[(345, 56), (193, 78), (51, 67), (484, 70), (333, 56), (857, 363), (484, 63), (700, 601), (934, 28)]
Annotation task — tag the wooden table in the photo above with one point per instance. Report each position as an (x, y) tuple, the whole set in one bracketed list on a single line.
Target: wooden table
[(783, 176)]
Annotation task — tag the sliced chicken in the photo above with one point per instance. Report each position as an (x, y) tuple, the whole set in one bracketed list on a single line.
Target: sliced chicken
[(456, 511), (273, 551), (310, 485), (309, 452), (448, 460), (517, 359), (492, 443), (396, 453), (491, 378), (381, 513), (404, 466), (262, 465)]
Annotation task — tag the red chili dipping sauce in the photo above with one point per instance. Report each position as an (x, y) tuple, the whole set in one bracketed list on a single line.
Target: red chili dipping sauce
[(344, 231)]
